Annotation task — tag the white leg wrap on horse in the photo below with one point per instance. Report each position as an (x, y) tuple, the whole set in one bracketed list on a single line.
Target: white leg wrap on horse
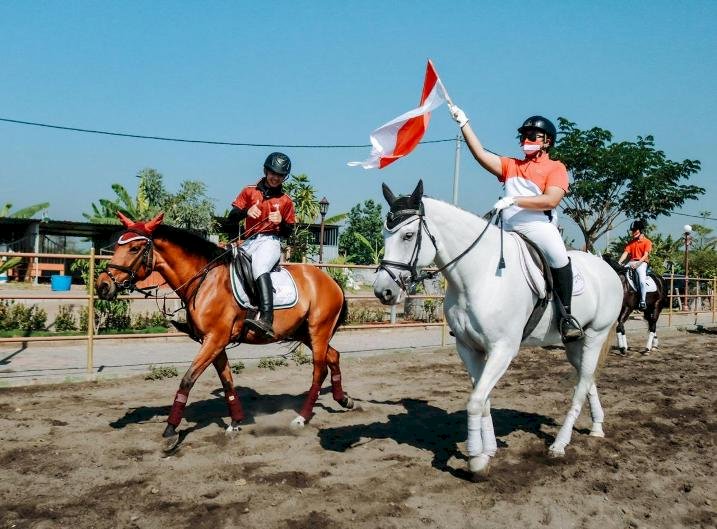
[(488, 435), (475, 443), (596, 412), (650, 340), (656, 342), (563, 437), (621, 341)]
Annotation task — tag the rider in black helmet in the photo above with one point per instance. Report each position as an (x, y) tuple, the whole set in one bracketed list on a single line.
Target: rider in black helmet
[(638, 250), (269, 214), (534, 186)]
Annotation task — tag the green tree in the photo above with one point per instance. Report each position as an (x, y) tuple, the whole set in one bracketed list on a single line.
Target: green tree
[(364, 220), (665, 250), (624, 179), (190, 208), (299, 188)]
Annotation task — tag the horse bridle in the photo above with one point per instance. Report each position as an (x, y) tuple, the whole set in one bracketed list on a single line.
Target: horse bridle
[(412, 264), (145, 257)]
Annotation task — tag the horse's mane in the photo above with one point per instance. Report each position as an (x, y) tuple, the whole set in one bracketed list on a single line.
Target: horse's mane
[(189, 241), (465, 215)]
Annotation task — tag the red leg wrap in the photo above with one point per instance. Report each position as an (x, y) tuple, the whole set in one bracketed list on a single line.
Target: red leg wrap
[(336, 389), (175, 416), (235, 410), (307, 411)]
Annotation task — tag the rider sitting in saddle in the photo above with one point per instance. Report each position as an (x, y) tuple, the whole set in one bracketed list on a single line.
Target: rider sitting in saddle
[(269, 214), (638, 250), (534, 187)]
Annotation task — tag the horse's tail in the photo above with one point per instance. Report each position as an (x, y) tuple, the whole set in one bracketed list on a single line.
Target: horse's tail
[(606, 346), (344, 311)]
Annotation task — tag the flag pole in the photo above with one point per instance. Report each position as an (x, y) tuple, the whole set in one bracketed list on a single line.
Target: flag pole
[(457, 159), (456, 169)]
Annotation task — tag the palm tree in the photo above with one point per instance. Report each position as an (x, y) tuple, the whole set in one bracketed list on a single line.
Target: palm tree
[(24, 213)]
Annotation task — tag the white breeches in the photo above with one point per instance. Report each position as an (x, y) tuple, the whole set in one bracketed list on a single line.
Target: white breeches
[(547, 237), (642, 275), (265, 251)]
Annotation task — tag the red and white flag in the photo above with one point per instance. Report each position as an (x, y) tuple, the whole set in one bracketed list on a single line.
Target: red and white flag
[(400, 136)]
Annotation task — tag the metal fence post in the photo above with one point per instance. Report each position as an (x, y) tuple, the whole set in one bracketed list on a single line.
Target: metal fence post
[(393, 314), (671, 298), (714, 297), (91, 312)]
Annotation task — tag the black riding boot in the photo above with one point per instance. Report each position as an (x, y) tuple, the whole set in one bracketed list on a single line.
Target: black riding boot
[(265, 320), (570, 329)]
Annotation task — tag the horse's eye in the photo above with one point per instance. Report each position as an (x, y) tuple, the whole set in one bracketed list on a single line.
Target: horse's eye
[(134, 249), (408, 236)]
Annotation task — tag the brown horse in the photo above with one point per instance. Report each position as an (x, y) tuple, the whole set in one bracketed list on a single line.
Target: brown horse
[(654, 303), (198, 271)]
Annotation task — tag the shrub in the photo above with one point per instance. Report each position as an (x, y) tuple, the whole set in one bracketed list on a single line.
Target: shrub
[(161, 372), (237, 367), (299, 356), (340, 275), (65, 320), (273, 363), (365, 315), (22, 317), (146, 320)]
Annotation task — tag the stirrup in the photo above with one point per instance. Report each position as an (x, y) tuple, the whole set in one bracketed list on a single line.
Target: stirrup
[(570, 329), (642, 305), (260, 327)]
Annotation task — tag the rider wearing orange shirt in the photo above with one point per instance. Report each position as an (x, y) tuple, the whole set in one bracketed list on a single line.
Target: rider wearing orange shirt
[(534, 186), (270, 215), (638, 250)]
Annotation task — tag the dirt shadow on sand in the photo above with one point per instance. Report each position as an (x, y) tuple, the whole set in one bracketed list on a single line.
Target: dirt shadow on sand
[(433, 429)]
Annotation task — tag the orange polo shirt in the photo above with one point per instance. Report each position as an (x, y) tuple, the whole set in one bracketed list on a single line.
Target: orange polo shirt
[(637, 248), (250, 195)]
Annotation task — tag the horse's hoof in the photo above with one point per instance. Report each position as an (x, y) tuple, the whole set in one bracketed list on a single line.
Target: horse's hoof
[(171, 442), (597, 431), (478, 465), (235, 426), (347, 402), (298, 422), (556, 451)]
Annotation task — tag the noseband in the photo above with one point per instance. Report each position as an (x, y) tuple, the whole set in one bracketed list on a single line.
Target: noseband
[(145, 257)]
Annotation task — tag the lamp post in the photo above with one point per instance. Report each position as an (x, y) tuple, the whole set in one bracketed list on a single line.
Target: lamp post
[(688, 240), (323, 208)]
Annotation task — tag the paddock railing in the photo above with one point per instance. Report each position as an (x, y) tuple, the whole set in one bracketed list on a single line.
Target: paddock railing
[(686, 296)]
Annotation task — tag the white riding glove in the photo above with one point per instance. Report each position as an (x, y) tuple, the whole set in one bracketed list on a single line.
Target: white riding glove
[(503, 203), (458, 115)]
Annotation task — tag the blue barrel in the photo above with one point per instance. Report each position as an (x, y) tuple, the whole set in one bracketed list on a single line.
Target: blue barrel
[(60, 282)]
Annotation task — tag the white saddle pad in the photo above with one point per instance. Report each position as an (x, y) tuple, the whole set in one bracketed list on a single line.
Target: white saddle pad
[(650, 285), (534, 276), (285, 292)]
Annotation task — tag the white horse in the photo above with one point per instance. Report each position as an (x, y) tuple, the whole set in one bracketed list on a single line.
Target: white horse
[(487, 307)]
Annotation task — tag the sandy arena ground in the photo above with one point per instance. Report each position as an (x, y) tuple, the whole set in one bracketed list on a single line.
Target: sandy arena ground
[(89, 454)]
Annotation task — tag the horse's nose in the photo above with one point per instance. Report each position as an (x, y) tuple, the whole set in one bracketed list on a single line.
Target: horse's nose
[(105, 290)]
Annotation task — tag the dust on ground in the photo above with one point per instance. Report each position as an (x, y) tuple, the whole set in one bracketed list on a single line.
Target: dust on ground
[(89, 455)]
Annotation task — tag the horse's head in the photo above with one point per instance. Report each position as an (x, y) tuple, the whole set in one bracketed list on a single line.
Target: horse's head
[(132, 260), (404, 252)]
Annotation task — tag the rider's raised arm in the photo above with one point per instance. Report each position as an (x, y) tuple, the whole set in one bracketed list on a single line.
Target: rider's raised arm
[(488, 160)]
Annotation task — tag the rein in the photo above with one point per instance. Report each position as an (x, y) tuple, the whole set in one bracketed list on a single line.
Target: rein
[(411, 265)]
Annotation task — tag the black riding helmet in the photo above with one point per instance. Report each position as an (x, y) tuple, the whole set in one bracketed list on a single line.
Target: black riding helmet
[(539, 123), (638, 225), (279, 163)]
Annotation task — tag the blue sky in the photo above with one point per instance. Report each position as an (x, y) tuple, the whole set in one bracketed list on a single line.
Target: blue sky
[(329, 73)]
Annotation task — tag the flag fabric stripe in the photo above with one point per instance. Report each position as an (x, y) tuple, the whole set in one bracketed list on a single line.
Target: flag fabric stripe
[(400, 136)]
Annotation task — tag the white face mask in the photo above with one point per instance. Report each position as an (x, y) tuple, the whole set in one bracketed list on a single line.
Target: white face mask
[(531, 148)]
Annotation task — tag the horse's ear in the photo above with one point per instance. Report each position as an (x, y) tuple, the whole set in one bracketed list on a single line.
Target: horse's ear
[(125, 220), (388, 194), (417, 193), (152, 224)]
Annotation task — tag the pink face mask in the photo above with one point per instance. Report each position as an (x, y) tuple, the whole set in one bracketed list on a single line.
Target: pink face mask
[(531, 148)]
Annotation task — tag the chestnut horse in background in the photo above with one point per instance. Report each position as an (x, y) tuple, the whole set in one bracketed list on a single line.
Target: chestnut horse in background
[(198, 271)]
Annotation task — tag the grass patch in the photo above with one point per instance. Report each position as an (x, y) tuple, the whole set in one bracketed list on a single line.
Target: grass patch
[(273, 363), (237, 367), (299, 356), (161, 372)]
